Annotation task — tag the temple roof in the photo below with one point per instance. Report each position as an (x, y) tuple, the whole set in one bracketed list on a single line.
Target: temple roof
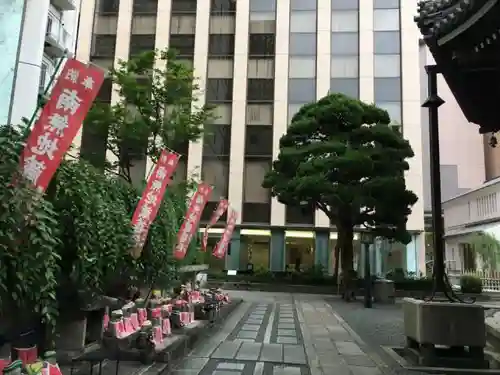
[(464, 39)]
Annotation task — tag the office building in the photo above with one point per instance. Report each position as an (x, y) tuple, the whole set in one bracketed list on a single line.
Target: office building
[(258, 61), (38, 33)]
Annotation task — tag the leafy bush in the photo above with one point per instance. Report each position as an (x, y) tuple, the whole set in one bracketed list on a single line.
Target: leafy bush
[(471, 284), (29, 236)]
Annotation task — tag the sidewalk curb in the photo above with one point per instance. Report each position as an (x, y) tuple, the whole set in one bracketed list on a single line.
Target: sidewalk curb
[(381, 364)]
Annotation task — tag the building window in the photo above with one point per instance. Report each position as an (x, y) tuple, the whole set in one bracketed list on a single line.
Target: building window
[(262, 23), (387, 42), (257, 6), (385, 4), (345, 4), (143, 25), (183, 24), (261, 45), (222, 24), (345, 43), (393, 109), (43, 78), (387, 66), (386, 19), (141, 43), (346, 86), (217, 140), (222, 114), (259, 114), (103, 46), (299, 215), (219, 90), (215, 172), (222, 6), (260, 68), (184, 6), (301, 90), (345, 21), (302, 67), (302, 44), (303, 22), (259, 141), (108, 7), (221, 45), (220, 68), (256, 199), (105, 92), (345, 67), (303, 5), (260, 90), (387, 89), (145, 6), (183, 44)]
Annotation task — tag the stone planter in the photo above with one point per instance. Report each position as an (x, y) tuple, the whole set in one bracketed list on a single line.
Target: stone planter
[(444, 323)]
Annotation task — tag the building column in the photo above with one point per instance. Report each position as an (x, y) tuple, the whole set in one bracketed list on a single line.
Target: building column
[(233, 255), (277, 250), (27, 80), (322, 249), (415, 254)]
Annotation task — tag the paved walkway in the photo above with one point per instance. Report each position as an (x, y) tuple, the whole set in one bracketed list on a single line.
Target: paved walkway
[(280, 334)]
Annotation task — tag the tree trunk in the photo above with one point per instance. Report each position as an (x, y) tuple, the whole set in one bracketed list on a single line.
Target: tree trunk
[(344, 241)]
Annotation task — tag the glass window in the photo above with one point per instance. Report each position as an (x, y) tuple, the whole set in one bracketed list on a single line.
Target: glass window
[(262, 16), (346, 86), (145, 6), (217, 140), (345, 43), (385, 4), (222, 113), (183, 6), (303, 22), (221, 45), (387, 89), (260, 114), (301, 90), (260, 68), (303, 5), (386, 19), (223, 6), (262, 25), (222, 24), (345, 4), (220, 68), (262, 5), (394, 110), (292, 110), (260, 90), (183, 44), (216, 173), (219, 90), (387, 66), (302, 67), (261, 45), (303, 44), (259, 141), (386, 42), (345, 21), (344, 67)]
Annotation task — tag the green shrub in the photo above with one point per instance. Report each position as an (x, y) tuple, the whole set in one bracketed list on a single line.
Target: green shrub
[(471, 284)]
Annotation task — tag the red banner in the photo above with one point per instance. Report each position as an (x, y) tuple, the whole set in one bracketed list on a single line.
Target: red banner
[(150, 202), (221, 247), (60, 121), (193, 216), (221, 208)]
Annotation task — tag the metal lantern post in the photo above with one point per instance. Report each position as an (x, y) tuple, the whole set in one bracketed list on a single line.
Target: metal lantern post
[(366, 241)]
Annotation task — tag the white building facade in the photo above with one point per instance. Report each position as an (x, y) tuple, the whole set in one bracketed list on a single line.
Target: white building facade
[(368, 49), (48, 34)]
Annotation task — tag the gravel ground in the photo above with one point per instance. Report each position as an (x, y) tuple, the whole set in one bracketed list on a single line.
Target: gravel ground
[(379, 326)]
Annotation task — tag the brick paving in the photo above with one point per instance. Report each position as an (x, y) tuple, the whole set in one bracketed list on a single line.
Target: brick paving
[(281, 334)]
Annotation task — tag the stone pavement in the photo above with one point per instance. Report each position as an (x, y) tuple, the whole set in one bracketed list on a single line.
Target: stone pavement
[(281, 334)]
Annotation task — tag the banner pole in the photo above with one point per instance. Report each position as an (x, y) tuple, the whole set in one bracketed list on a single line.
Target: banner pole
[(45, 92)]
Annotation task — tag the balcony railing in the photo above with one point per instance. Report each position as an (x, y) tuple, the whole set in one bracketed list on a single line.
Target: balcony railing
[(57, 39)]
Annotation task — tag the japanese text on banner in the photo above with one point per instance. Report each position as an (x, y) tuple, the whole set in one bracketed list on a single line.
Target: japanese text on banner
[(219, 211), (60, 121), (148, 206), (221, 247), (190, 224)]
